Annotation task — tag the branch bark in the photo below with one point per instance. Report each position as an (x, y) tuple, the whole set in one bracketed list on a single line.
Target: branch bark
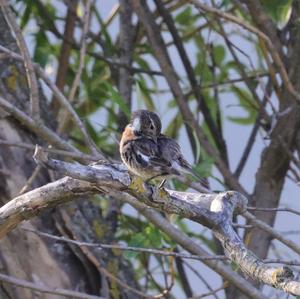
[(212, 210)]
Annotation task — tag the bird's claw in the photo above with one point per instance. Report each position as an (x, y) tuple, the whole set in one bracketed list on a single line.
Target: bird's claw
[(161, 185), (160, 195)]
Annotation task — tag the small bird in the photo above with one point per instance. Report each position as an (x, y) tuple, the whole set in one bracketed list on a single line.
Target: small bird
[(147, 152)]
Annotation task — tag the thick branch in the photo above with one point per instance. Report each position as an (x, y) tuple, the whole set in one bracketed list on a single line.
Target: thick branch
[(212, 210)]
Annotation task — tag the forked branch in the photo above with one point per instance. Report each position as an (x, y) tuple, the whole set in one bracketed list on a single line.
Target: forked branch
[(214, 211)]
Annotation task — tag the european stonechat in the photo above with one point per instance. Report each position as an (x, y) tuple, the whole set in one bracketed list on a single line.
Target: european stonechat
[(148, 153)]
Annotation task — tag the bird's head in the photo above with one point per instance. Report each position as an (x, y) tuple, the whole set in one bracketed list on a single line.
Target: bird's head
[(144, 122)]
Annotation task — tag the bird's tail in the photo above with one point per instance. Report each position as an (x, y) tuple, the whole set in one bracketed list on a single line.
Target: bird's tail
[(203, 181)]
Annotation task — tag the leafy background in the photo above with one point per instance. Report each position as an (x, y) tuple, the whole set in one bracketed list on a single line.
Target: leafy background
[(99, 103)]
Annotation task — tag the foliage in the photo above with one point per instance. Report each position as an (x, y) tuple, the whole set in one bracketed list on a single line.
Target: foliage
[(231, 85)]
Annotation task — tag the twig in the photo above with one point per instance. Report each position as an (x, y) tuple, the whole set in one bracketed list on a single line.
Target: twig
[(112, 14), (274, 209), (64, 121), (82, 52), (245, 226), (30, 73), (182, 275), (110, 276), (44, 289), (127, 248), (133, 69), (253, 134), (216, 134), (209, 293), (83, 46), (168, 287), (232, 47), (280, 261), (66, 104), (229, 82), (80, 156), (201, 278), (126, 46), (33, 176), (264, 226)]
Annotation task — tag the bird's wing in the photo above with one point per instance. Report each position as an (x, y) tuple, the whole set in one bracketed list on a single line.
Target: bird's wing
[(147, 150), (171, 151), (169, 148)]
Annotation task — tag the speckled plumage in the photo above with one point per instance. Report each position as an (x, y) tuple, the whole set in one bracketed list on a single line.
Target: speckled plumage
[(148, 153)]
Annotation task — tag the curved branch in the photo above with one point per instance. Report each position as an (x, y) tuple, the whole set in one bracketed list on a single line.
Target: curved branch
[(212, 210)]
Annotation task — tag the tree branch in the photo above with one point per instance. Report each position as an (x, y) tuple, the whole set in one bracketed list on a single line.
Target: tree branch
[(65, 50), (29, 69), (44, 289), (212, 210)]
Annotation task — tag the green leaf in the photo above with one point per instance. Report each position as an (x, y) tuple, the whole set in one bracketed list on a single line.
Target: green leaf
[(138, 240), (248, 120), (219, 54), (247, 103), (25, 17), (143, 94), (183, 16), (42, 49), (204, 168), (154, 236), (173, 128), (116, 98), (278, 10)]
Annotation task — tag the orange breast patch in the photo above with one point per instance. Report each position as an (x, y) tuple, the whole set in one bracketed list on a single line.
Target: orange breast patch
[(128, 134)]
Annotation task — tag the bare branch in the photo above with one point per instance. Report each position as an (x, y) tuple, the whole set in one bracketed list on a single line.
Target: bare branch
[(79, 155), (274, 209), (64, 121), (216, 133), (267, 228), (31, 179), (83, 45), (30, 73), (212, 210), (128, 248), (193, 247), (209, 293), (65, 50), (44, 289)]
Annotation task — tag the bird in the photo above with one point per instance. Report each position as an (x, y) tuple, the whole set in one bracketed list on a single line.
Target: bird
[(150, 154)]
